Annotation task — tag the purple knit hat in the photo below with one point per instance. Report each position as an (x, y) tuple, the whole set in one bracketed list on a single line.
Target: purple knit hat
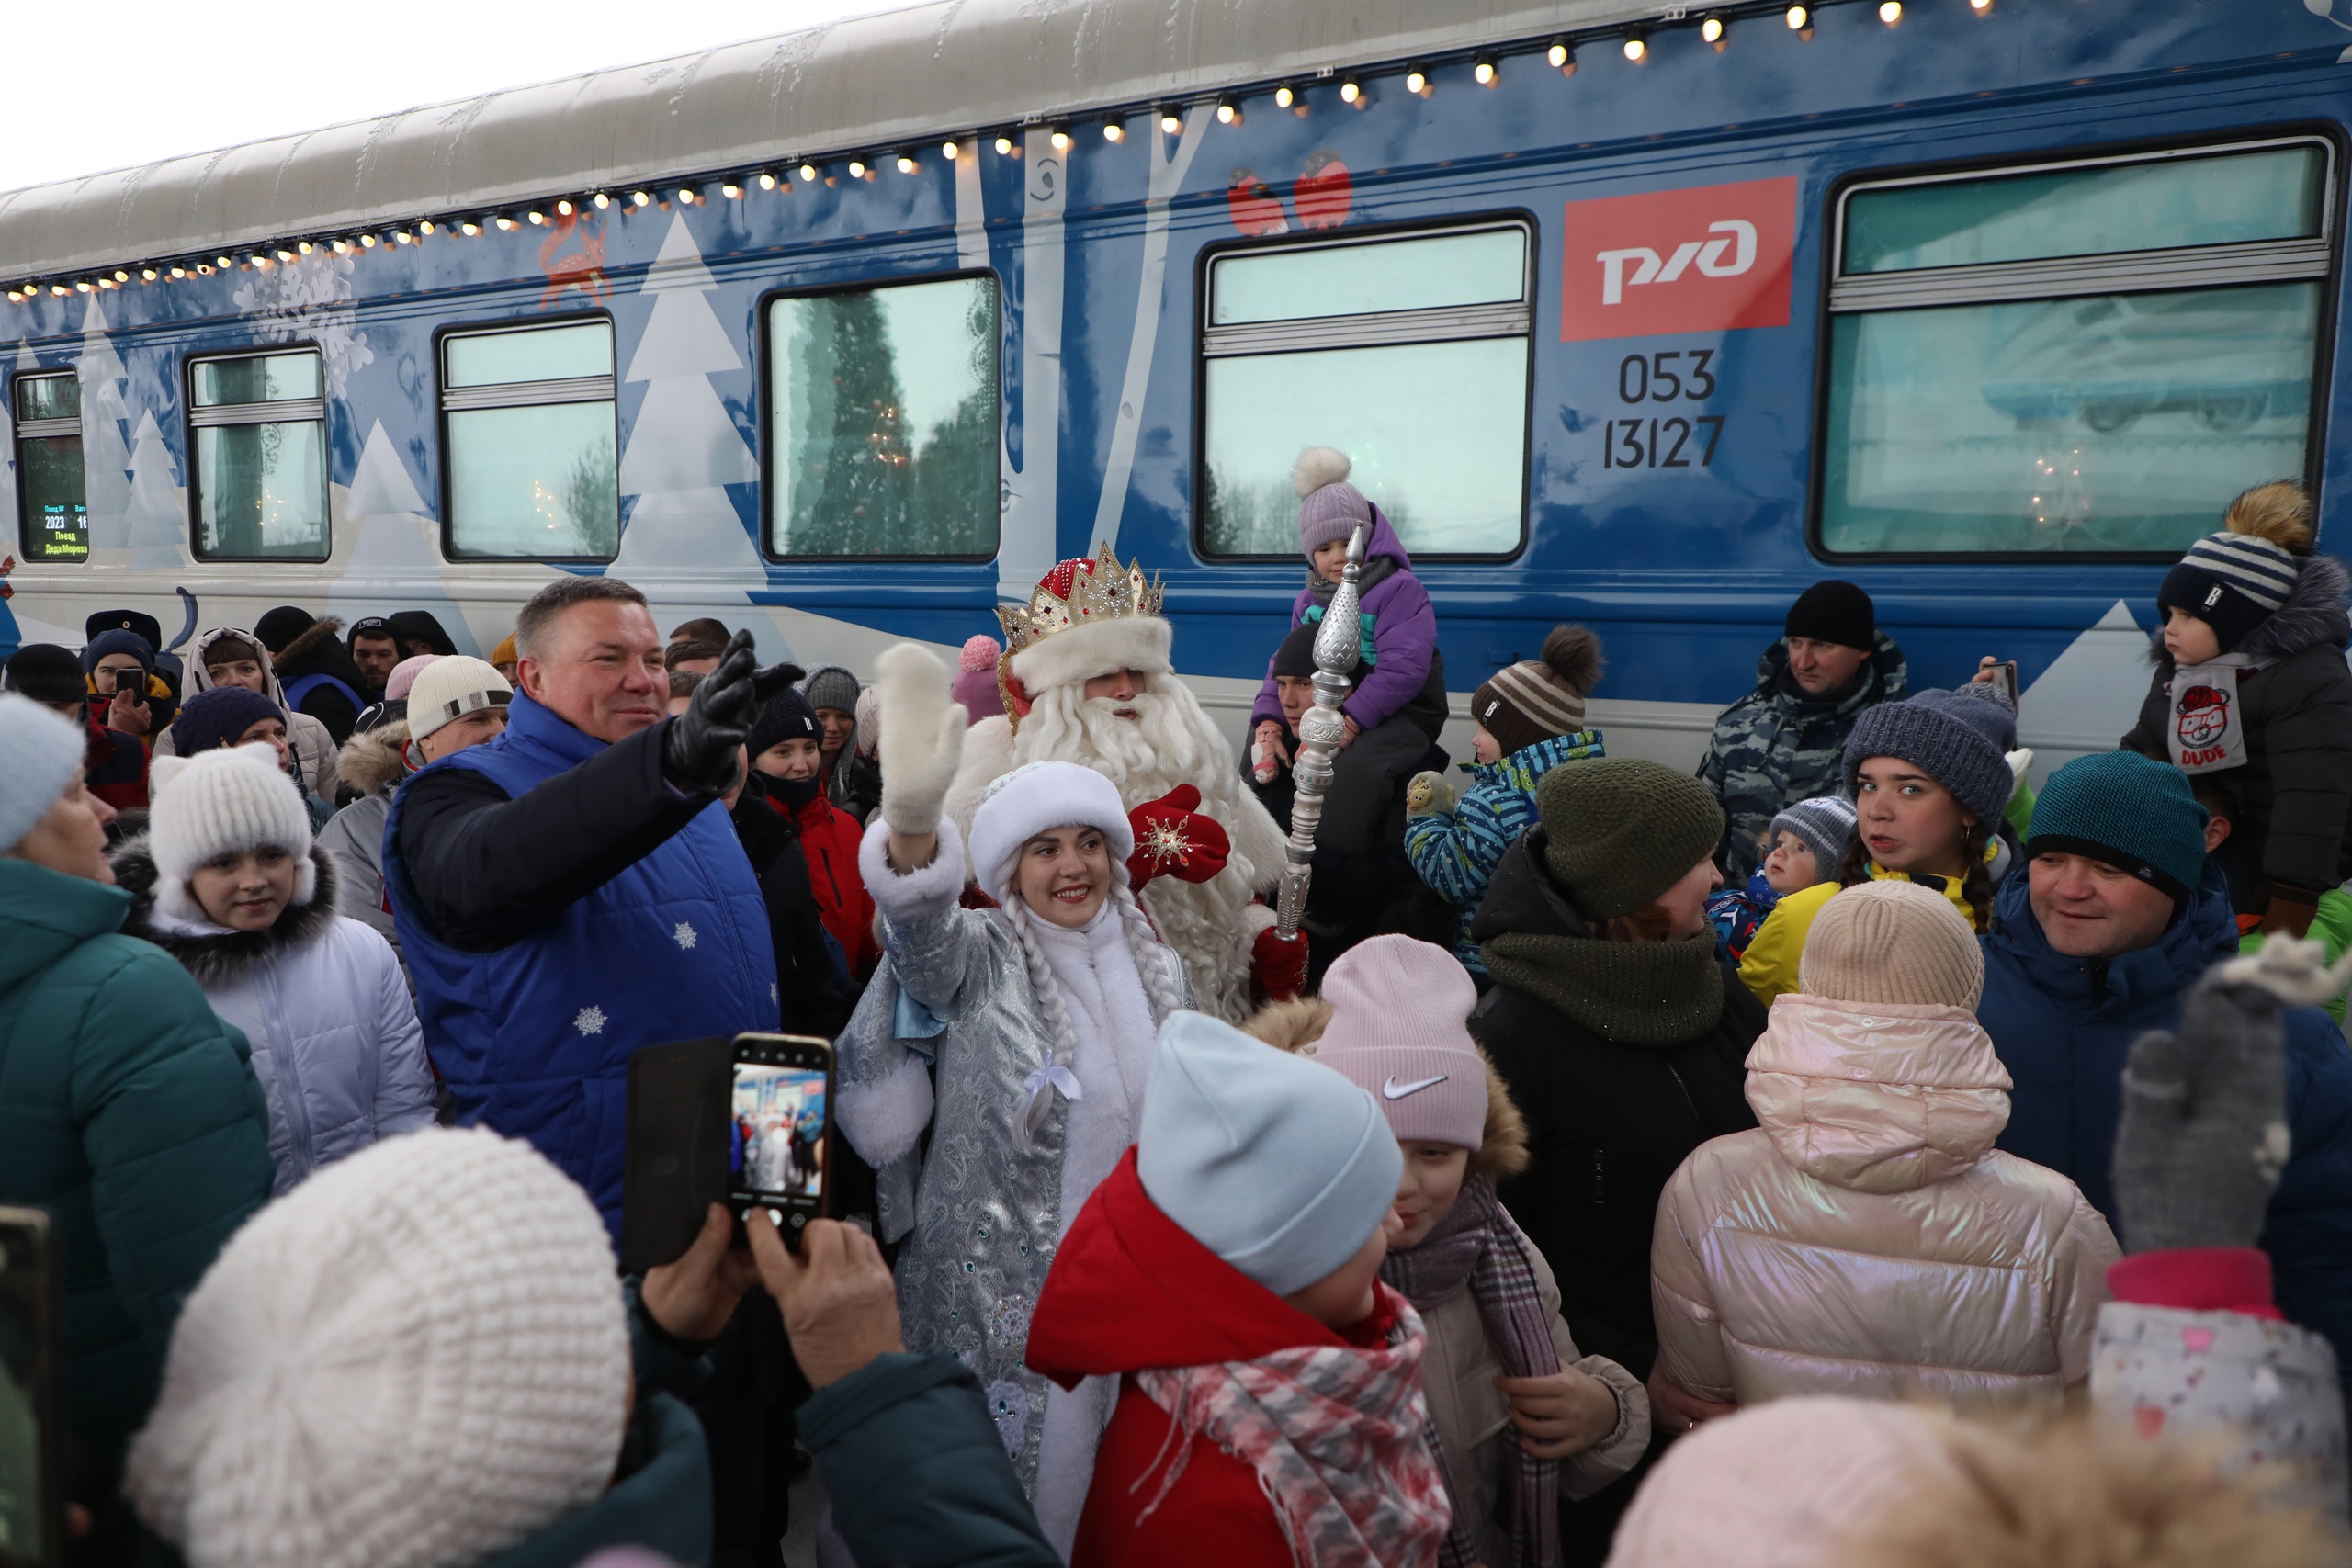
[(1398, 1029), (1329, 508)]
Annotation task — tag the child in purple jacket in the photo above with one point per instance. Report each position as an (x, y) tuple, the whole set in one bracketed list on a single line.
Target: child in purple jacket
[(1399, 704)]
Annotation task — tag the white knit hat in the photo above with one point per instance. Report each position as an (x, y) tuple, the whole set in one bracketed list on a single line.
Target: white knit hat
[(1037, 797), (40, 753), (451, 687), (417, 1358), (222, 802)]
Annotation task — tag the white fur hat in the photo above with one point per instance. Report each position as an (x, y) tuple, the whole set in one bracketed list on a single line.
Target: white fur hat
[(416, 1358), (1029, 801), (222, 802)]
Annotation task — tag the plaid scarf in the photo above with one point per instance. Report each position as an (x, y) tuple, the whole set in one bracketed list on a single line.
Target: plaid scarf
[(1337, 1436), (1478, 1244)]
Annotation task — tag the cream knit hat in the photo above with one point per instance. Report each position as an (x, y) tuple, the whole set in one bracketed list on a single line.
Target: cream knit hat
[(451, 687), (222, 802), (417, 1358), (1892, 942)]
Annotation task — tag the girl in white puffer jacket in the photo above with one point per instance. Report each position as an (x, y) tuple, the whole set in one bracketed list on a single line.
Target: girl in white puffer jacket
[(1868, 1239), (227, 880)]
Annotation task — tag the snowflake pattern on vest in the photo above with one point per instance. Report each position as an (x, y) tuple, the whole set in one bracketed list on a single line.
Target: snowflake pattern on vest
[(684, 935), (590, 1021)]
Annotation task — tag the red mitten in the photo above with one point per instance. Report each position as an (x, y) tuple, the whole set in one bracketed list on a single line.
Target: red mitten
[(1173, 840), (1278, 964)]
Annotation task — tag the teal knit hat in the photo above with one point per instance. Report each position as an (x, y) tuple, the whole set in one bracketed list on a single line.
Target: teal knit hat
[(2132, 812)]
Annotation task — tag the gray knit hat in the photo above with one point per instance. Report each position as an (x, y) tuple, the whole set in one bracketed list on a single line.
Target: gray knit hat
[(831, 687), (44, 754), (1961, 738), (1620, 830), (1824, 825), (1328, 507)]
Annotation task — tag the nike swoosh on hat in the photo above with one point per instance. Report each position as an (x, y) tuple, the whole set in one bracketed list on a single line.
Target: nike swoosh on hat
[(1392, 1090)]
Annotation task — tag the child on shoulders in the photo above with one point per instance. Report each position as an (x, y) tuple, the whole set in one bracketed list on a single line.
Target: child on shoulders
[(1803, 846)]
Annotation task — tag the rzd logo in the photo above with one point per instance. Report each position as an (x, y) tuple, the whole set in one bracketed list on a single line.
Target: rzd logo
[(1713, 258)]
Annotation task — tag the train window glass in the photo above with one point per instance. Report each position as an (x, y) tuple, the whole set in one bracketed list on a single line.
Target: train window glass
[(260, 458), (56, 525), (1482, 268), (530, 444), (2085, 361), (2278, 193), (885, 430), (1308, 344)]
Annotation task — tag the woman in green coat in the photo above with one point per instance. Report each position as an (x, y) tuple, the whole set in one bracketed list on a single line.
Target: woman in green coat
[(127, 1109)]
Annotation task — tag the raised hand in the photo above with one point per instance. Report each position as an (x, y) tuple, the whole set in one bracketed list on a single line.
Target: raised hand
[(1172, 839)]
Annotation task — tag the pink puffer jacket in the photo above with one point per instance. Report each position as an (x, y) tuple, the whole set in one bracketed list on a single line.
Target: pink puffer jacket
[(1868, 1239)]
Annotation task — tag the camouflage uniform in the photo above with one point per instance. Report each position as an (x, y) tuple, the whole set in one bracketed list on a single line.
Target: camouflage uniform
[(1777, 745)]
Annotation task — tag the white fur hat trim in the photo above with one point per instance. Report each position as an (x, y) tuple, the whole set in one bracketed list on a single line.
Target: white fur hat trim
[(1140, 643), (223, 802), (1036, 799)]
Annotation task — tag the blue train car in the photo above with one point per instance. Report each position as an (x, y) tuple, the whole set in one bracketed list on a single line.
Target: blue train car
[(1642, 317)]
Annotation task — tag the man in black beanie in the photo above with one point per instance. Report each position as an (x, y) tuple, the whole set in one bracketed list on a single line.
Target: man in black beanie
[(1781, 742)]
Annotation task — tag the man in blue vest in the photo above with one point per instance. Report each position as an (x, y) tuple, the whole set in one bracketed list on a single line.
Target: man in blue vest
[(574, 890)]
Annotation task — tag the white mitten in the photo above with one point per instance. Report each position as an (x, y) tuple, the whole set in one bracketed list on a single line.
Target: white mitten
[(922, 737)]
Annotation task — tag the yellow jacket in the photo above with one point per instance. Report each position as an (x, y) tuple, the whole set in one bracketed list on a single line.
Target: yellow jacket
[(1769, 968)]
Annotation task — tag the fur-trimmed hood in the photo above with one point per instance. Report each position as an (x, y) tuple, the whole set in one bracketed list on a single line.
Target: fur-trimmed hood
[(214, 956), (1296, 1025), (2313, 616), (325, 629), (375, 759)]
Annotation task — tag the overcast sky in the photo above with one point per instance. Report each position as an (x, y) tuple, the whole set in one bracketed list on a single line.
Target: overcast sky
[(149, 81)]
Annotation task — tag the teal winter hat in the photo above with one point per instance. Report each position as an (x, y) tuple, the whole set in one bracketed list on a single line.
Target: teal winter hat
[(1274, 1162), (2132, 812)]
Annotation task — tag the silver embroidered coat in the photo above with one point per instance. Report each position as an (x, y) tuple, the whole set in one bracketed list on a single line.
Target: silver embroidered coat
[(947, 1037)]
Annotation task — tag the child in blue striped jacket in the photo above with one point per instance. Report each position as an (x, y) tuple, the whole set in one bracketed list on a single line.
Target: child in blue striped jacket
[(1531, 719)]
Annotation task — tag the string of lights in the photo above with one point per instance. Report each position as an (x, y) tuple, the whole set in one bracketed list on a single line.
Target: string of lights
[(1560, 53)]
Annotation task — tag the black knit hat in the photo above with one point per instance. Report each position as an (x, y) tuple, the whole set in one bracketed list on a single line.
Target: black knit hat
[(1835, 612), (1296, 657), (46, 673), (216, 718), (787, 716), (280, 626), (1620, 830)]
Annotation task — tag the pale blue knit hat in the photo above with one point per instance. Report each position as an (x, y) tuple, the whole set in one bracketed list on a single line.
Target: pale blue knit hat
[(1274, 1162)]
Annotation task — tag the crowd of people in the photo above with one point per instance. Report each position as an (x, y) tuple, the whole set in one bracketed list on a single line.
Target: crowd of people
[(1846, 1152)]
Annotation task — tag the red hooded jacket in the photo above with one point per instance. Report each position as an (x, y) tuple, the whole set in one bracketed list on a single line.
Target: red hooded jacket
[(1130, 1289), (828, 839)]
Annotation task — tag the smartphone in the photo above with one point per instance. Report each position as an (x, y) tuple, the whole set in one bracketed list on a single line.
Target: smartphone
[(33, 1481), (2005, 677), (780, 1128)]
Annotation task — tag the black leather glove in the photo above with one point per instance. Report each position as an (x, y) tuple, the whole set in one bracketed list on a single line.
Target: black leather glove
[(699, 753)]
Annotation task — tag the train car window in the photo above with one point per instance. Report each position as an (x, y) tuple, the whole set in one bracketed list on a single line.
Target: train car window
[(2087, 359), (1308, 344), (56, 525), (884, 430), (259, 427), (530, 443)]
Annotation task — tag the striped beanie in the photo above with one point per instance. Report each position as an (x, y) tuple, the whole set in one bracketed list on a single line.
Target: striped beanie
[(2231, 581), (1536, 699), (1824, 825)]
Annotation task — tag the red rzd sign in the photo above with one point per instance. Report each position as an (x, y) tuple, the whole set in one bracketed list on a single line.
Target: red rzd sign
[(1708, 259)]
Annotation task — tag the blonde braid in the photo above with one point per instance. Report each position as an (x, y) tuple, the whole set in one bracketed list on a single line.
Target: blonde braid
[(1146, 948), (1061, 1042)]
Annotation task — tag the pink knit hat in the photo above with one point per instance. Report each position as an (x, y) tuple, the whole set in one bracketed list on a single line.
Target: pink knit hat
[(1398, 1028), (1779, 1485), (980, 652), (404, 676)]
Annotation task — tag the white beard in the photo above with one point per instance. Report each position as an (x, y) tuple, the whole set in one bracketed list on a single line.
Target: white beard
[(1169, 741)]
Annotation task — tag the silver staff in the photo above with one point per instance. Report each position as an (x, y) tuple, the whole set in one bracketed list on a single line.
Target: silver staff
[(1321, 728)]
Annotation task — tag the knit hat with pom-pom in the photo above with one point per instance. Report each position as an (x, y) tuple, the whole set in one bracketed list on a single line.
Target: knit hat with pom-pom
[(1893, 943), (975, 685), (2235, 580), (1536, 699), (1329, 507), (417, 1358), (227, 801)]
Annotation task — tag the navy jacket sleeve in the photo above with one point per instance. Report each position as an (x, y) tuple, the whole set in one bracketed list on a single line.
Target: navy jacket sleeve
[(2307, 1232), (490, 870), (917, 1473)]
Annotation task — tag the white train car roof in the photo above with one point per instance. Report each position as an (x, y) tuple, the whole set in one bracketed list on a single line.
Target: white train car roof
[(869, 82)]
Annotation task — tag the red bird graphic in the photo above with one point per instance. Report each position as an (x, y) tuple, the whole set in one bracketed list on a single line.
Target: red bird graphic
[(1323, 192), (1255, 207)]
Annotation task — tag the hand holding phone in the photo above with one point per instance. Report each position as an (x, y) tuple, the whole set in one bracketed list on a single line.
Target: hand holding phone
[(841, 1306)]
